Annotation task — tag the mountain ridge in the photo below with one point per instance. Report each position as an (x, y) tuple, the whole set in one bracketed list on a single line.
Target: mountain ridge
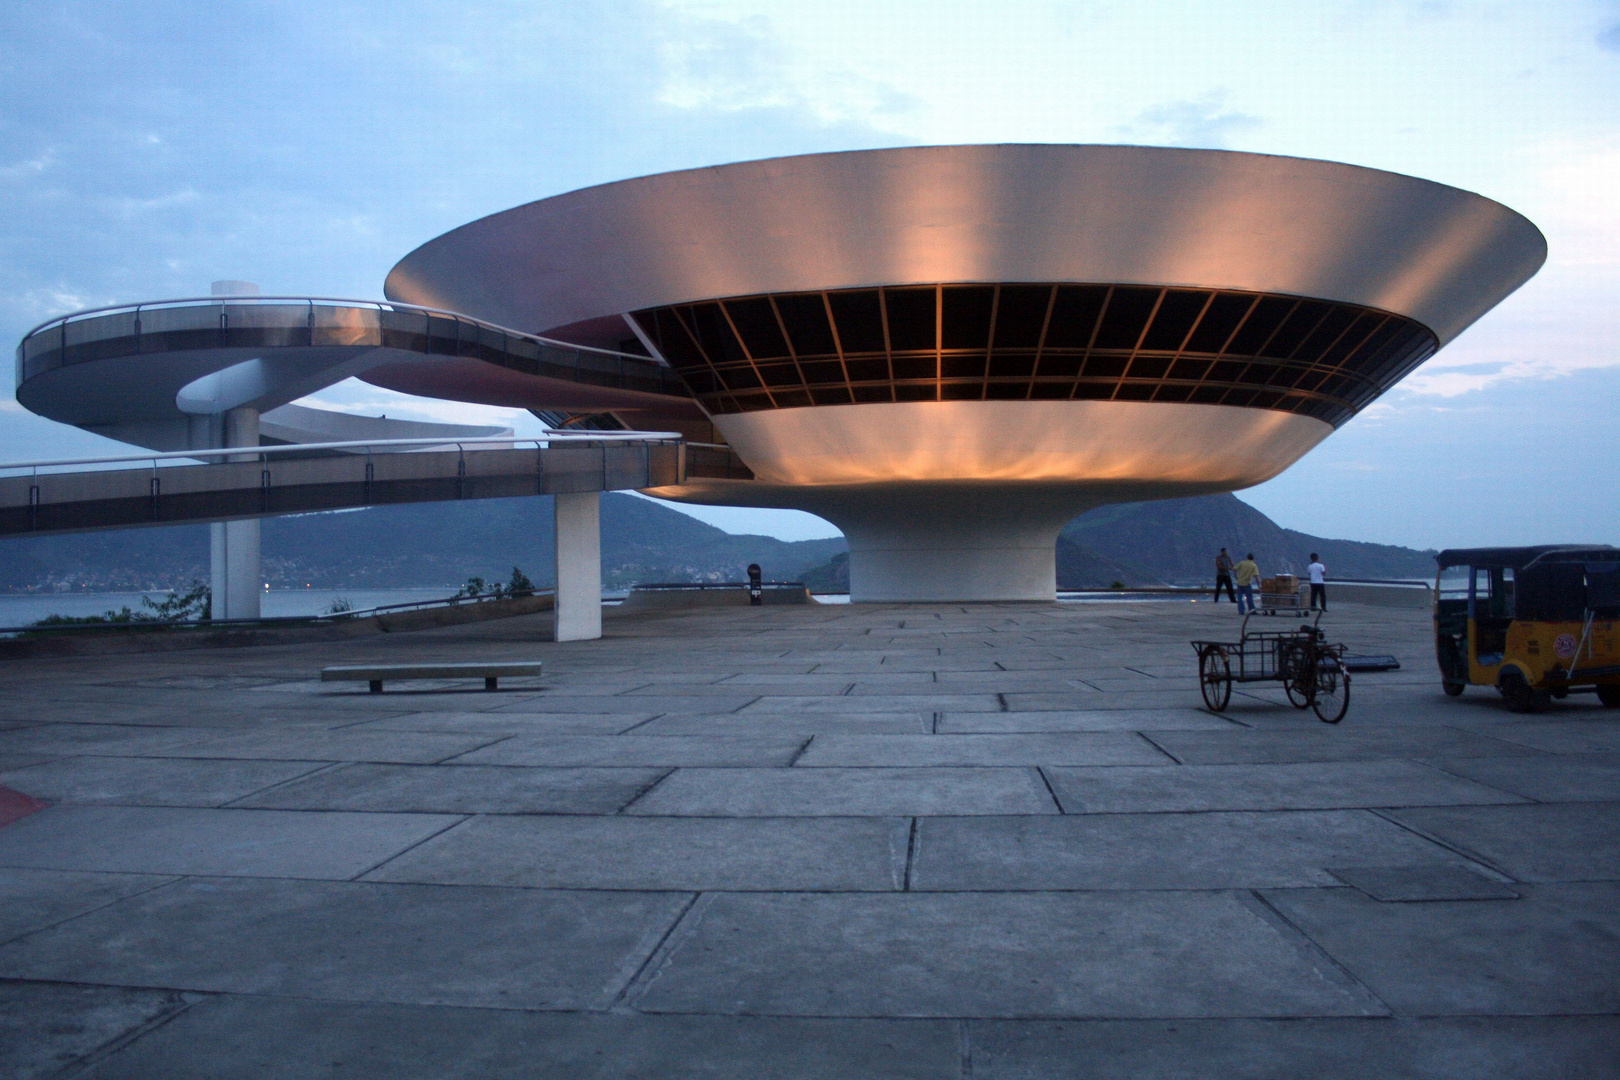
[(442, 544)]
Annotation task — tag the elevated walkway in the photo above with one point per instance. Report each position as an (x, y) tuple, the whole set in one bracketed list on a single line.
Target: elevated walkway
[(242, 483)]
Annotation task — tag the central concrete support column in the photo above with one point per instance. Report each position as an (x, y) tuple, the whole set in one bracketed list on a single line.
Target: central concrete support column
[(578, 614), (234, 565), (932, 543)]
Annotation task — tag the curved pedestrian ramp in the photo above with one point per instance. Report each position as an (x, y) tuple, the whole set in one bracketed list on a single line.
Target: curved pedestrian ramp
[(294, 480)]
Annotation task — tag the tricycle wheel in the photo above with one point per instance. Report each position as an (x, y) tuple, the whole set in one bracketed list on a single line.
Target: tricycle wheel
[(1609, 694), (1215, 677), (1297, 681), (1331, 699), (1454, 689), (1518, 695)]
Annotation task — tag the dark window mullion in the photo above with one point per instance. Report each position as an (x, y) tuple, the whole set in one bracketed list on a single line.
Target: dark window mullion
[(714, 372), (1136, 346), (1040, 342), (747, 355), (792, 349), (1091, 340), (888, 346), (1330, 309), (1254, 302), (838, 343), (990, 342)]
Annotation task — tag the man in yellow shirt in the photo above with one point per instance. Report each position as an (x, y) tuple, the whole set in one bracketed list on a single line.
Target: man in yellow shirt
[(1245, 572)]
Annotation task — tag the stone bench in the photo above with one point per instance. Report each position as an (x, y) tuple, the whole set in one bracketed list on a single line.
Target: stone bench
[(377, 674)]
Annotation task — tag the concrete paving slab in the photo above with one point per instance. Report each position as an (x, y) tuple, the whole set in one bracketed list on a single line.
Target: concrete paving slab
[(1599, 735), (34, 899), (240, 1038), (1560, 778), (167, 840), (876, 703), (695, 854), (1158, 851), (405, 747), (500, 724), (1302, 786), (834, 792), (1087, 720), (791, 725), (1554, 952), (59, 739), (461, 789), (1536, 842), (639, 750), (1386, 1048), (990, 955), (408, 944), (45, 1028), (577, 705), (1090, 748), (1419, 884), (151, 781), (1318, 742)]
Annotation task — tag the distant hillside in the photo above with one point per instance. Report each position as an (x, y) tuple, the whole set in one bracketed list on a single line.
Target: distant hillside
[(443, 544), (426, 544), (1174, 541)]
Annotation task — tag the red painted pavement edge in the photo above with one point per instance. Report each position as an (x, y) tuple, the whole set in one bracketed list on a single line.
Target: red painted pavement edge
[(14, 806)]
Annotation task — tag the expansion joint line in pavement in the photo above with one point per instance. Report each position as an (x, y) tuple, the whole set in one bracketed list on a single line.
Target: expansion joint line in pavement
[(964, 1049), (164, 882), (1149, 740), (799, 753), (182, 1005), (1490, 868), (659, 779), (683, 926), (911, 855), (326, 768), (1057, 802), (641, 723), (412, 847), (1269, 911)]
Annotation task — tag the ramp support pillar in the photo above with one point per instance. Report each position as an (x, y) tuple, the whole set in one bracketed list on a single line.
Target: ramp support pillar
[(578, 612), (234, 564)]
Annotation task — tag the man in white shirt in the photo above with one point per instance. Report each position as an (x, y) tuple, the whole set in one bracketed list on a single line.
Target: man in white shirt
[(1318, 583)]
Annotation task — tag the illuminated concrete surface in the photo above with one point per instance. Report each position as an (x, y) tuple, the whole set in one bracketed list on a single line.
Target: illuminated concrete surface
[(942, 841)]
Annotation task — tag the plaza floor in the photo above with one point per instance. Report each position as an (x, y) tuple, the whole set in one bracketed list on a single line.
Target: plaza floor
[(987, 841)]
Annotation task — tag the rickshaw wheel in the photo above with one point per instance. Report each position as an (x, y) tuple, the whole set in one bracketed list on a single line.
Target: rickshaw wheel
[(1332, 697), (1520, 698), (1609, 694), (1297, 681), (1454, 689), (1215, 677)]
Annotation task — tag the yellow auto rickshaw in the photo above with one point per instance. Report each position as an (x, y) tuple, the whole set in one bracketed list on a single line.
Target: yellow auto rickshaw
[(1537, 623)]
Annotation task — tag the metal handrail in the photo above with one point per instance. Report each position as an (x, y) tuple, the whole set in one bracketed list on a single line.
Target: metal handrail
[(570, 436), (381, 305)]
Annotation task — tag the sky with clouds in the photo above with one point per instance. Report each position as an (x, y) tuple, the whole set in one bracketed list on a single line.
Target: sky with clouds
[(149, 149)]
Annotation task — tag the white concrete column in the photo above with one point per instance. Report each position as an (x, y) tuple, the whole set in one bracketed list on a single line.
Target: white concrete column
[(237, 581), (578, 613)]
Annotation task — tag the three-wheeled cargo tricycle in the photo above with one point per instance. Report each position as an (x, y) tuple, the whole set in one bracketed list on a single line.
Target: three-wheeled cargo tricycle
[(1537, 623), (1310, 669)]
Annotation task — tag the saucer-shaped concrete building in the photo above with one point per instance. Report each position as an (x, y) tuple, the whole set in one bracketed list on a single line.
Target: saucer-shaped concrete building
[(949, 352)]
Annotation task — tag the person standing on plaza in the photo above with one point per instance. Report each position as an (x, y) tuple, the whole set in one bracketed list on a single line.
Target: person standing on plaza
[(1223, 576), (1245, 572), (1318, 583)]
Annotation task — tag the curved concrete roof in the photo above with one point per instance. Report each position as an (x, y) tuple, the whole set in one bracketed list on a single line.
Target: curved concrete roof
[(1117, 214)]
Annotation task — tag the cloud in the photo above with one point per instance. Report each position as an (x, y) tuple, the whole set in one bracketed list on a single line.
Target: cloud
[(1198, 122), (1610, 38)]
